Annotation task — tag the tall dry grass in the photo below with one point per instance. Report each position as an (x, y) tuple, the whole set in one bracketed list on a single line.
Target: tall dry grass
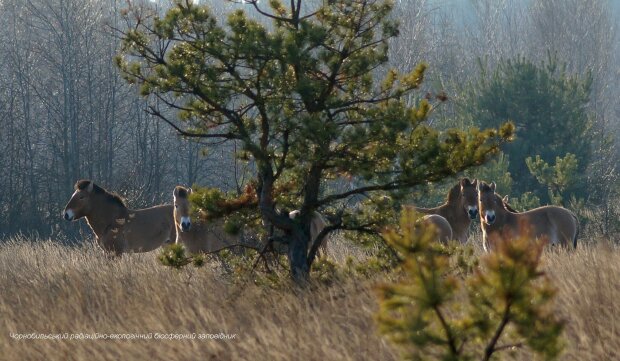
[(50, 288)]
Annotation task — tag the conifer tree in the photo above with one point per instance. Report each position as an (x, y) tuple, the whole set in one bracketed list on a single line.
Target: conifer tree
[(436, 314), (299, 90), (549, 109)]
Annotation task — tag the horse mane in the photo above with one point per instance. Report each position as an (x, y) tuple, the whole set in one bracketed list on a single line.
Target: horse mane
[(109, 196), (181, 192), (508, 207), (454, 193)]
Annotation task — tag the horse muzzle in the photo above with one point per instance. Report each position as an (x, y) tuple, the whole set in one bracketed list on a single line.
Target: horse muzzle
[(69, 215), (489, 218), (186, 224), (472, 212)]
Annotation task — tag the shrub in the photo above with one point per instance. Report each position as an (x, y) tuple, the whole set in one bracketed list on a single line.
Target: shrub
[(433, 313)]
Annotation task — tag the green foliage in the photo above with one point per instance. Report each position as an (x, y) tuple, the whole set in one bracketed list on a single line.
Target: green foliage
[(436, 314), (497, 170), (526, 201), (300, 96), (173, 255), (548, 108), (558, 178), (237, 210)]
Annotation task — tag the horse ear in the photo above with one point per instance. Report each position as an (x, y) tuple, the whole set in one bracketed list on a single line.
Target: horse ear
[(505, 199), (480, 185), (90, 187), (189, 191), (475, 182), (465, 182), (492, 186)]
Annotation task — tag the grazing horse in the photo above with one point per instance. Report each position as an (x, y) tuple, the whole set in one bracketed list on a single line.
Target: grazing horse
[(555, 224), (119, 229), (209, 237), (442, 227), (460, 208)]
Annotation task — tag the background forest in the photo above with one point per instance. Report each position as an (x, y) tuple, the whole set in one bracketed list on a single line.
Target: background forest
[(552, 67)]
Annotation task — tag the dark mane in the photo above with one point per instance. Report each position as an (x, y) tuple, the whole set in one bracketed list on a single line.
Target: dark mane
[(508, 207), (454, 193), (109, 196)]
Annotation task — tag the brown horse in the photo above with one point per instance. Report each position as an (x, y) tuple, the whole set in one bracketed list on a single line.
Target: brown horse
[(460, 208), (209, 237), (119, 229), (556, 225)]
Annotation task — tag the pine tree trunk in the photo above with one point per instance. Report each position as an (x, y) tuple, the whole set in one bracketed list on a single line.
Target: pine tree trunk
[(297, 238), (297, 256)]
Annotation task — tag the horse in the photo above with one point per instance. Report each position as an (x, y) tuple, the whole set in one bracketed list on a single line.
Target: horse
[(442, 227), (117, 228), (460, 208), (556, 225), (210, 237)]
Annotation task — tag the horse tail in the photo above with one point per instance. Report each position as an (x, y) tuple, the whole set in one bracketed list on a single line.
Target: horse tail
[(576, 231)]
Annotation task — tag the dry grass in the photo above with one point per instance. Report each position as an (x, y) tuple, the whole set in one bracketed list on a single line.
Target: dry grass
[(50, 288)]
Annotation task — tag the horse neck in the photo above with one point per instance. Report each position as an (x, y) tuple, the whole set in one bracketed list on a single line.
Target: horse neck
[(503, 216), (105, 215)]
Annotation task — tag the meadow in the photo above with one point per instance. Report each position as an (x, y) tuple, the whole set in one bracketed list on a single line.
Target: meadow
[(51, 288)]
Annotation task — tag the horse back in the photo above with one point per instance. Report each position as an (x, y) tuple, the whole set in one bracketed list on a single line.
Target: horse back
[(555, 222)]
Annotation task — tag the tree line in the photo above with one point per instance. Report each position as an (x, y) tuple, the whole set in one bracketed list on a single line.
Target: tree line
[(66, 113)]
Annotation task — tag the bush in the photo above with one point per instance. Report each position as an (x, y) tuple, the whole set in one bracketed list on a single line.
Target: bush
[(506, 303)]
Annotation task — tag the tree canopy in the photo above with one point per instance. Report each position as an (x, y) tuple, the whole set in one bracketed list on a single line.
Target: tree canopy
[(308, 96), (549, 109)]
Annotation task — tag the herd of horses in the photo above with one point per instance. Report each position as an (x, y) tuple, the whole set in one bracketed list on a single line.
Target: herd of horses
[(119, 229)]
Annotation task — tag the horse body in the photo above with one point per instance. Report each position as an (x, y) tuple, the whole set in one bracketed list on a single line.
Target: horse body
[(459, 209), (119, 229), (442, 227), (149, 228), (209, 237), (555, 224)]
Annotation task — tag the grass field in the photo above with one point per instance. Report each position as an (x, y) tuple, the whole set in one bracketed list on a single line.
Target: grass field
[(54, 289)]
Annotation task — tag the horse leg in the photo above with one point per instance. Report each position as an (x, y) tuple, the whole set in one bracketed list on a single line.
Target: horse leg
[(114, 241)]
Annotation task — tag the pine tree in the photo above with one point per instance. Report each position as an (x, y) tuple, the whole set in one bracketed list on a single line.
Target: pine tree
[(299, 91), (435, 313), (549, 110)]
